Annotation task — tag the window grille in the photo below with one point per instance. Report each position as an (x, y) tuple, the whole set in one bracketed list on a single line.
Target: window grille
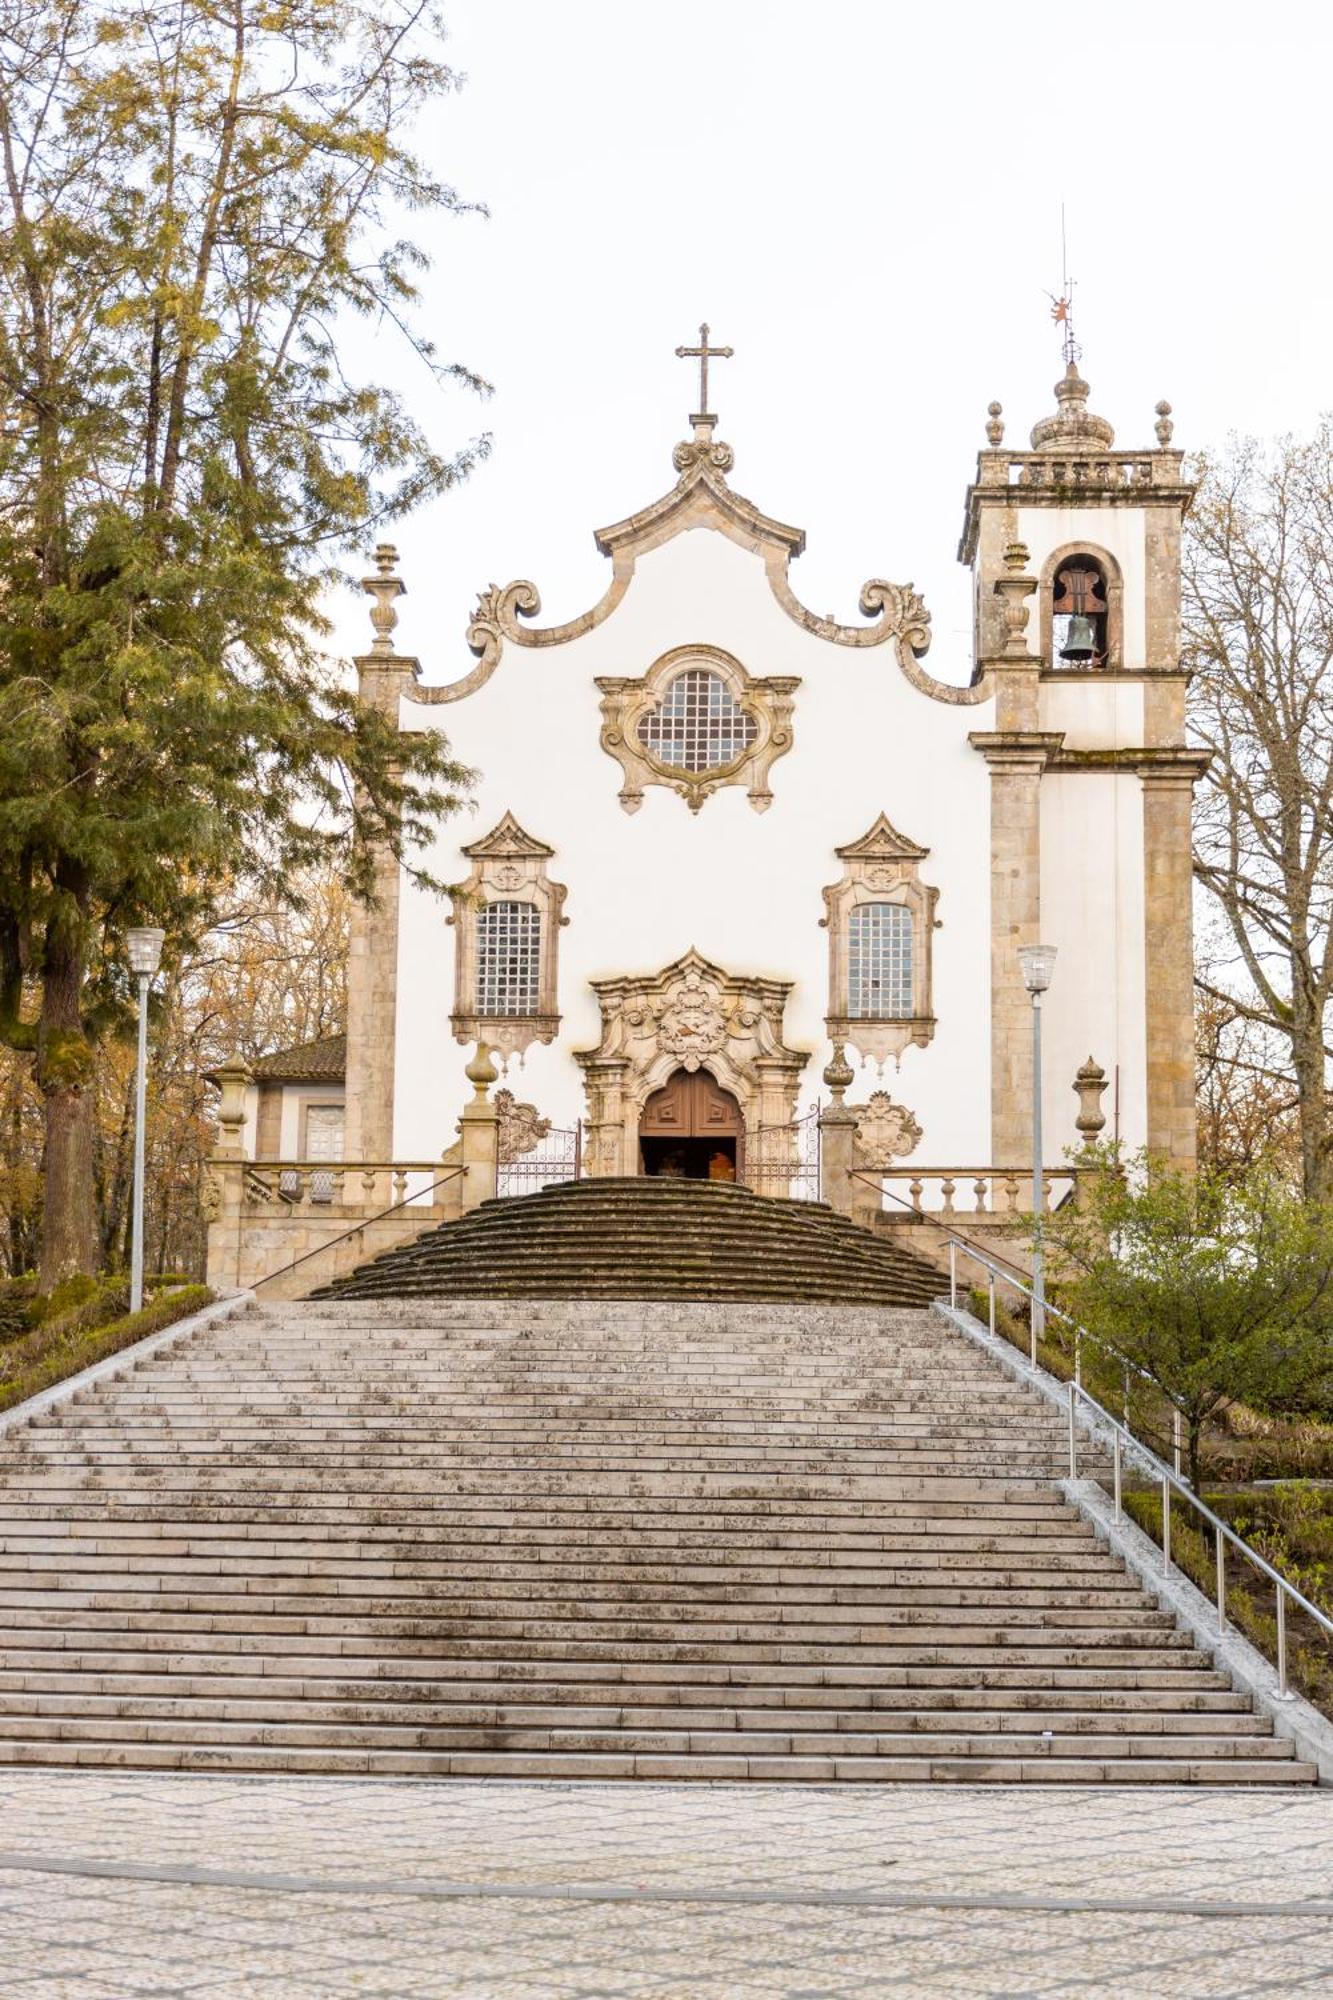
[(698, 726), (879, 962), (508, 959)]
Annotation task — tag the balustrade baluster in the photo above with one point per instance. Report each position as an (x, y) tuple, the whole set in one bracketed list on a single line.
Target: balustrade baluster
[(946, 1195)]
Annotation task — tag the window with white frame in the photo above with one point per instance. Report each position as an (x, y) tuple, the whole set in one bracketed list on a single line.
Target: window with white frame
[(879, 962), (509, 939)]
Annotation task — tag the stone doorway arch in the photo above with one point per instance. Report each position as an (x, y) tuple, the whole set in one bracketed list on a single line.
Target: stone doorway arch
[(690, 1016)]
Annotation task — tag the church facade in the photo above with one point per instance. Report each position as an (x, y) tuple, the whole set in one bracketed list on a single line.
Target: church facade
[(727, 855)]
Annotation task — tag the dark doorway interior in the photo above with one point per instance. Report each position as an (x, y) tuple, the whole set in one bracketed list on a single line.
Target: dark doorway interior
[(692, 1129), (690, 1159)]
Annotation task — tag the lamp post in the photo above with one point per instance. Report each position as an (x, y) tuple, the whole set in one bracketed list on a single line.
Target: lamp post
[(1038, 964), (145, 949)]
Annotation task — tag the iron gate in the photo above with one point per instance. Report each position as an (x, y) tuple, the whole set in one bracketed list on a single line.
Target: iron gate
[(557, 1156), (783, 1160)]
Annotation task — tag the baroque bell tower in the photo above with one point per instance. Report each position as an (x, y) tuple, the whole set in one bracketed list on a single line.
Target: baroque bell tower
[(1074, 548)]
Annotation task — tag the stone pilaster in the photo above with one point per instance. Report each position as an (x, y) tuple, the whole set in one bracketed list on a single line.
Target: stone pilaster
[(1016, 759), (837, 1139), (479, 1133), (383, 678), (1017, 751), (1168, 872)]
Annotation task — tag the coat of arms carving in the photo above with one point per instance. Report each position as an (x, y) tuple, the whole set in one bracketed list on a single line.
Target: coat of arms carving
[(692, 1023), (885, 1131), (518, 1127)]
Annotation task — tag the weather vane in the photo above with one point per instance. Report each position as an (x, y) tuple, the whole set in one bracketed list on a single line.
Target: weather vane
[(1062, 308)]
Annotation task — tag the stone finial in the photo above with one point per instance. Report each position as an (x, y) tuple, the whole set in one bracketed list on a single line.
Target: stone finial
[(1164, 426), (1090, 1083), (1073, 426), (995, 425), (1014, 588), (839, 1074), (384, 588), (481, 1072)]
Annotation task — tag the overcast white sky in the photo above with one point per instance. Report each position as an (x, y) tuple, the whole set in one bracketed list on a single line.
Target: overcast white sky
[(864, 201)]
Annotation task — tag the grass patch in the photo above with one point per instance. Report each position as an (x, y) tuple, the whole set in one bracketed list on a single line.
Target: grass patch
[(66, 1343), (1293, 1530)]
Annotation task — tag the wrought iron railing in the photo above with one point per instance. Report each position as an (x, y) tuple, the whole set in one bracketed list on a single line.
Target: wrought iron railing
[(783, 1159), (1123, 1444), (557, 1156)]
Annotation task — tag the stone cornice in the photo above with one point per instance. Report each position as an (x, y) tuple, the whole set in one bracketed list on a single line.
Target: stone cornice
[(1071, 479), (1017, 749), (1089, 677), (1170, 764)]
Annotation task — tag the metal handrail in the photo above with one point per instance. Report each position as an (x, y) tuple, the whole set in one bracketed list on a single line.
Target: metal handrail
[(356, 1229), (1171, 1482)]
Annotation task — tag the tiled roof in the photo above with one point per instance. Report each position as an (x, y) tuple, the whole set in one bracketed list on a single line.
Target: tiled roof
[(311, 1062)]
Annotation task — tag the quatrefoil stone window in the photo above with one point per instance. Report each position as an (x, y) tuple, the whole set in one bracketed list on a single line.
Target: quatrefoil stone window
[(697, 725), (696, 721)]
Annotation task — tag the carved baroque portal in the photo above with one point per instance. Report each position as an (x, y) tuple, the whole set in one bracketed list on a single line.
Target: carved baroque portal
[(881, 879), (519, 1129), (697, 721), (885, 1131), (508, 917), (692, 1015)]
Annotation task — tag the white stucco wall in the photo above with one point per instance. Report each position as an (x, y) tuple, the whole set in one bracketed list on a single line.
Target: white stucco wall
[(1092, 910), (743, 887)]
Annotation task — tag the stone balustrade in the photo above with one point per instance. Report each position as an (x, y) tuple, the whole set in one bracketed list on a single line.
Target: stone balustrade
[(290, 1225), (972, 1191)]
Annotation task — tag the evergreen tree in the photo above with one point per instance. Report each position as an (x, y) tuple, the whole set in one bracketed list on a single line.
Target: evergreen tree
[(199, 201)]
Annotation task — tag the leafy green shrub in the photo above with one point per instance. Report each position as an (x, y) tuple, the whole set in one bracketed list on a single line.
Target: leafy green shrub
[(1217, 1287), (16, 1302), (52, 1352), (66, 1296)]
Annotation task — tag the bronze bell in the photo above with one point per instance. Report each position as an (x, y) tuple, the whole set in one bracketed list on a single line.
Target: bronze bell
[(1080, 641)]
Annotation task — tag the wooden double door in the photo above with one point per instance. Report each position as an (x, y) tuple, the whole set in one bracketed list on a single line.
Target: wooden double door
[(692, 1129)]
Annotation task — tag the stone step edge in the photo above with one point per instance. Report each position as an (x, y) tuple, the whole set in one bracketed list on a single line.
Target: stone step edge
[(229, 1306)]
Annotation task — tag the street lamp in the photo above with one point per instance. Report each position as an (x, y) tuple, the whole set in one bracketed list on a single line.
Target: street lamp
[(1038, 964), (145, 949)]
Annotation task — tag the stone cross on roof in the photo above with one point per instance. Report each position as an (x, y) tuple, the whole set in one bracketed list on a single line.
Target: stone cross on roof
[(701, 353)]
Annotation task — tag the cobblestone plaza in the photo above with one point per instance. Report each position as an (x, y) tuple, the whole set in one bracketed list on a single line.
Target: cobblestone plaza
[(143, 1884)]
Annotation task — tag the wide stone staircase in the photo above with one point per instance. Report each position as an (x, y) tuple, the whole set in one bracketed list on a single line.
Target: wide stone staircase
[(576, 1540), (648, 1238)]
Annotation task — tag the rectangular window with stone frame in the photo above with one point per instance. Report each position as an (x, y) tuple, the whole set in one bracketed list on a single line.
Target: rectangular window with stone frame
[(880, 917), (507, 917)]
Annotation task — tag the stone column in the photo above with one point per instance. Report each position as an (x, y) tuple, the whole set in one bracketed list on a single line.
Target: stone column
[(837, 1138), (479, 1132), (1168, 965), (224, 1181), (383, 677)]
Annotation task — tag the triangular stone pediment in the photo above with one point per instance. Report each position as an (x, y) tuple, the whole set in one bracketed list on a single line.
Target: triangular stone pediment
[(882, 842), (507, 840)]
